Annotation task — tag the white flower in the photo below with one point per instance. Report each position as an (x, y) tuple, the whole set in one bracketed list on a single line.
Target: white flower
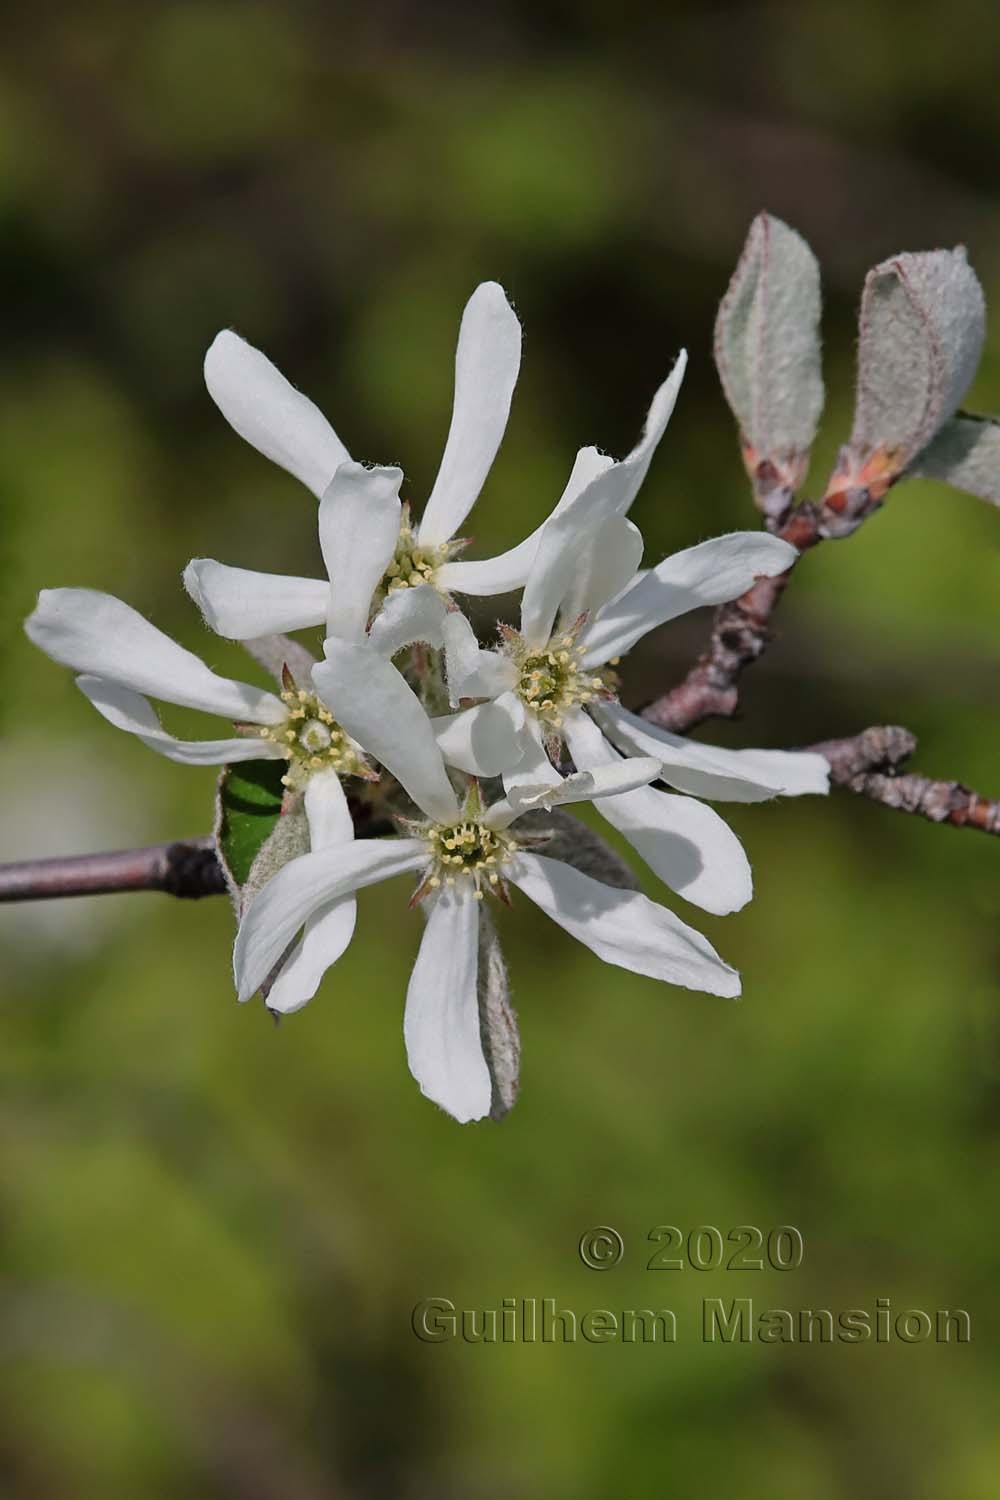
[(285, 426), (460, 851), (123, 657), (400, 555), (556, 686)]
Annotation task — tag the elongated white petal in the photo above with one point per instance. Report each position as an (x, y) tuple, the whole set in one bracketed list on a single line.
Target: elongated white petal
[(301, 888), (372, 701), (565, 538), (566, 547), (711, 573), (461, 653), (486, 740), (242, 605), (270, 414), (708, 770), (328, 932), (632, 470), (408, 615), (623, 927), (359, 518), (136, 715), (327, 812), (101, 636), (604, 566), (509, 570), (441, 1027), (471, 671), (684, 842), (486, 364), (581, 786), (534, 768)]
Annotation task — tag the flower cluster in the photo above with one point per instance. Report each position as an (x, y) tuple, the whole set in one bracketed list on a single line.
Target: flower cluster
[(456, 741)]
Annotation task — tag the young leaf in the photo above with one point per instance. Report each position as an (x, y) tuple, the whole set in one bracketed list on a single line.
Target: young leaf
[(923, 320), (248, 805), (288, 838), (497, 1020), (767, 350), (965, 453)]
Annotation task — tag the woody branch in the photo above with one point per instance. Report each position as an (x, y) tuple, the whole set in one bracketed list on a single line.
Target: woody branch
[(868, 764)]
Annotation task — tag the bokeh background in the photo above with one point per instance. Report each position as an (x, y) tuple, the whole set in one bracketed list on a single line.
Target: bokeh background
[(215, 1229)]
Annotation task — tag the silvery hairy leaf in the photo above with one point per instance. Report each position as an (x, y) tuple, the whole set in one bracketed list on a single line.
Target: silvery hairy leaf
[(767, 350), (923, 320), (287, 840), (497, 1021), (965, 453)]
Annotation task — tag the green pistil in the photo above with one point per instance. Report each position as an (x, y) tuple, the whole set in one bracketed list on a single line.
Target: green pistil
[(311, 740)]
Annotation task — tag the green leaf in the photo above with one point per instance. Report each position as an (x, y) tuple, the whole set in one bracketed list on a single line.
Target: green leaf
[(248, 805)]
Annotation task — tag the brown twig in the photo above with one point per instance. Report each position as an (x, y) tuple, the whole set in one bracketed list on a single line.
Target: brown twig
[(186, 868), (868, 764), (741, 632)]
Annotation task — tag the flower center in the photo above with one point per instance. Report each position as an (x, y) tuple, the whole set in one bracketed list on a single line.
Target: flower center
[(311, 740), (554, 679), (412, 564), (468, 851)]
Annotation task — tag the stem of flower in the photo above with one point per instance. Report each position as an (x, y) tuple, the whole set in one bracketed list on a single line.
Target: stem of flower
[(186, 868)]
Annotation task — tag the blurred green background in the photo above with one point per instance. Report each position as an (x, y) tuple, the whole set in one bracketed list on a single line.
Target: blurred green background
[(215, 1229)]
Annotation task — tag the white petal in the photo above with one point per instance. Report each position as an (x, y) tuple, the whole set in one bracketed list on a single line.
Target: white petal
[(534, 769), (633, 470), (270, 414), (711, 573), (486, 364), (461, 655), (134, 713), (408, 615), (486, 740), (327, 812), (554, 570), (708, 770), (328, 932), (623, 927), (554, 573), (97, 634), (241, 604), (582, 786), (441, 1027), (509, 570), (372, 701), (605, 565), (359, 520), (684, 842), (474, 673), (301, 888)]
